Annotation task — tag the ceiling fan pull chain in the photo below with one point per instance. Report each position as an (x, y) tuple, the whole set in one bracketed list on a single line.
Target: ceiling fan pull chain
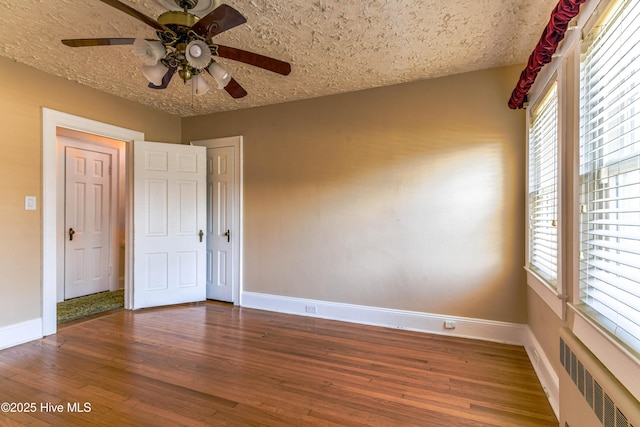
[(193, 82)]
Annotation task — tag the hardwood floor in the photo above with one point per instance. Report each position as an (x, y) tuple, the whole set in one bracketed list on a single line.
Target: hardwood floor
[(214, 364)]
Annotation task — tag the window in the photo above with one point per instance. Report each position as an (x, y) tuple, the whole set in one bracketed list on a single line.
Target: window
[(610, 173), (543, 188)]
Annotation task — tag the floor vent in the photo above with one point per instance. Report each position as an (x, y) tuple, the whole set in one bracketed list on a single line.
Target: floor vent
[(599, 400)]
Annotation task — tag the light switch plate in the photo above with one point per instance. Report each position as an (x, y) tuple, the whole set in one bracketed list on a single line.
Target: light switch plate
[(29, 203)]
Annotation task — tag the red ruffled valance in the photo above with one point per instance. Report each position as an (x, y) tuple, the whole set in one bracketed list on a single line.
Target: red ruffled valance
[(553, 33)]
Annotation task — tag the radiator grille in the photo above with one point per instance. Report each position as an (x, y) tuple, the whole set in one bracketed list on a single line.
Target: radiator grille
[(599, 401)]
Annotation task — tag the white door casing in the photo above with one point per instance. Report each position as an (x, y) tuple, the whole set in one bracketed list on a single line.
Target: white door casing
[(169, 219), (224, 212), (87, 222)]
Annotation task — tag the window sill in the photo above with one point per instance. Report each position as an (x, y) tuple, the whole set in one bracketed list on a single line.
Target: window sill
[(617, 359), (550, 296)]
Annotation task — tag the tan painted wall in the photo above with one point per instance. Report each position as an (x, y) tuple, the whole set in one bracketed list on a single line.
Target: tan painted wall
[(408, 197), (23, 93)]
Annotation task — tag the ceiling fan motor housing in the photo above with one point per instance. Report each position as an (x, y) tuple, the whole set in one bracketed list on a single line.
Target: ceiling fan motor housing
[(174, 20)]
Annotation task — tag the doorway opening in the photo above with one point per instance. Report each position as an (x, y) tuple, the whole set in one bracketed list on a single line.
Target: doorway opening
[(91, 201), (53, 235)]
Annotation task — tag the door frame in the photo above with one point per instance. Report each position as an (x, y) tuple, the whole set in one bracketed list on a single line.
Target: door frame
[(238, 216), (51, 120)]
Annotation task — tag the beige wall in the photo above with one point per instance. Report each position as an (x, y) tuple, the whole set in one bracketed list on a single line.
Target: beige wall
[(23, 93), (408, 197)]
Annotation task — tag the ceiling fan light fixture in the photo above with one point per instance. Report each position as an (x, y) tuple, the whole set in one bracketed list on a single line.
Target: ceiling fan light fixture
[(155, 73), (186, 45), (149, 51), (199, 85), (198, 54), (219, 74)]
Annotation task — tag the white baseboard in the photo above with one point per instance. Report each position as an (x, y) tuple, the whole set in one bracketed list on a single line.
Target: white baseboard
[(488, 330), (20, 333), (547, 376)]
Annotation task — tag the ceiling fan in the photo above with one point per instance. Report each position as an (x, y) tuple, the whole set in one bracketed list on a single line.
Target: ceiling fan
[(186, 46)]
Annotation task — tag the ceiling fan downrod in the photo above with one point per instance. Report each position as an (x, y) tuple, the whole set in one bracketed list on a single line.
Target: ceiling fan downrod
[(186, 4)]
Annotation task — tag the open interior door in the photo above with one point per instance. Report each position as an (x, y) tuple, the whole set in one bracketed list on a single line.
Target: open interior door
[(169, 220)]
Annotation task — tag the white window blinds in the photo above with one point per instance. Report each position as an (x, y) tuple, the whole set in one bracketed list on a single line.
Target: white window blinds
[(543, 188), (610, 173)]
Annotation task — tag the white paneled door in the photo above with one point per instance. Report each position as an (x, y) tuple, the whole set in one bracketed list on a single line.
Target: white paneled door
[(169, 223), (224, 224), (220, 189), (87, 222)]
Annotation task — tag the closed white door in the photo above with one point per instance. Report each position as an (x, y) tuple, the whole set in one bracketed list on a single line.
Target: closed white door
[(224, 207), (220, 230), (169, 224), (87, 222)]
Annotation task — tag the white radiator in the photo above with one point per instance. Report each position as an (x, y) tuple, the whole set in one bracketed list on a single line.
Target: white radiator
[(589, 394)]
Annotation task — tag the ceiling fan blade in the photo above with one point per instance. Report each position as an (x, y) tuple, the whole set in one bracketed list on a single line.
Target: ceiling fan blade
[(165, 80), (219, 20), (97, 42), (138, 15), (255, 59), (235, 90)]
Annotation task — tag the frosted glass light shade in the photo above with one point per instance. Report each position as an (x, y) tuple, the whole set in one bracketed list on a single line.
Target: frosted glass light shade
[(149, 51), (155, 73), (198, 54), (219, 74), (199, 85)]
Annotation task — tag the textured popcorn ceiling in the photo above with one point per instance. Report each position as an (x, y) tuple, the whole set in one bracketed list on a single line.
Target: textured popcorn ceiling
[(333, 46)]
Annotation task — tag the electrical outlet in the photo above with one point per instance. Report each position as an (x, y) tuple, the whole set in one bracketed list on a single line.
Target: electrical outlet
[(449, 324), (310, 309)]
